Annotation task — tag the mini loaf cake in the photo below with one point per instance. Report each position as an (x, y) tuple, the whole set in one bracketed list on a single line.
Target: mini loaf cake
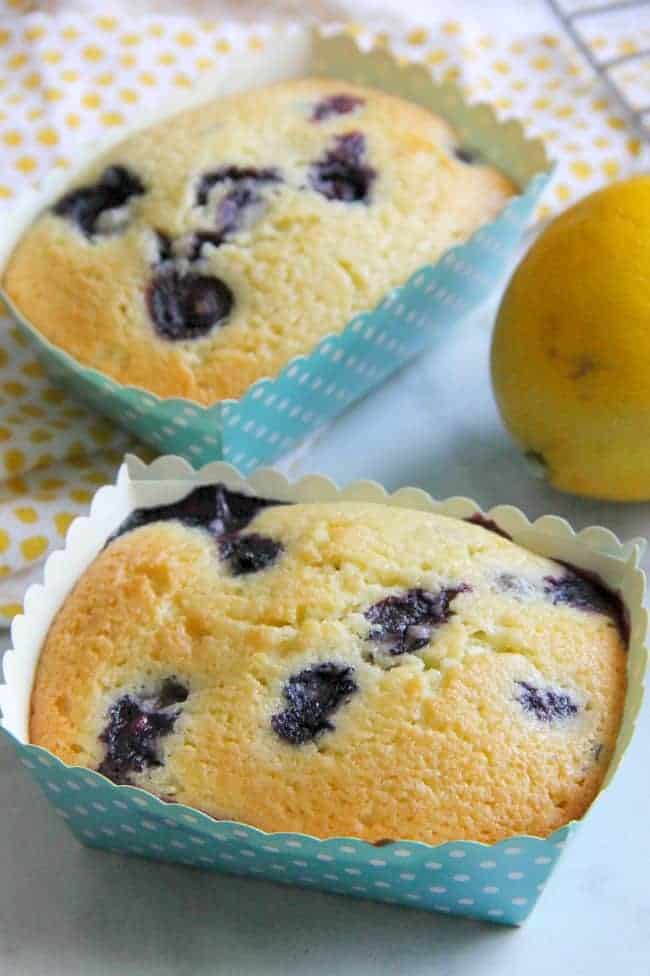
[(338, 669), (205, 252)]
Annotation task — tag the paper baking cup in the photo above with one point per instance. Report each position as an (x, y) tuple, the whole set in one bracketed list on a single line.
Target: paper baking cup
[(497, 882), (278, 412)]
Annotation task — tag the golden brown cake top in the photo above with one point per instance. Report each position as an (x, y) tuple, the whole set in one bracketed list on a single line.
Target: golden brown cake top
[(338, 669), (203, 253)]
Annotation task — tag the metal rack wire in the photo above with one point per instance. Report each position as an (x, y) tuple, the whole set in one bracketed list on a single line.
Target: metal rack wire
[(639, 118)]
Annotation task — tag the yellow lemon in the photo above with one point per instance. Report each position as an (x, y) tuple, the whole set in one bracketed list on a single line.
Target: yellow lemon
[(571, 347)]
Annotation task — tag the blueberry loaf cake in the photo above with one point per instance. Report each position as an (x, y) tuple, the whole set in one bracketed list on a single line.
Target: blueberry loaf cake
[(338, 669), (205, 252)]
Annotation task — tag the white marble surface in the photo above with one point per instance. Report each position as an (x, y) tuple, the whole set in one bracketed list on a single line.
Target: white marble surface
[(65, 910)]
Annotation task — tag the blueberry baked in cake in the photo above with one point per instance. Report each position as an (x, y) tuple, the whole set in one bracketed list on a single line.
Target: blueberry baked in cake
[(336, 669), (205, 252)]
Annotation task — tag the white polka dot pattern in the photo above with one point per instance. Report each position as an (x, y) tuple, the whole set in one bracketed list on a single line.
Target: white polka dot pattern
[(126, 820)]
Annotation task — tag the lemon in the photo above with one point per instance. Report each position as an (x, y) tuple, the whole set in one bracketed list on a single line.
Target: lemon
[(571, 346)]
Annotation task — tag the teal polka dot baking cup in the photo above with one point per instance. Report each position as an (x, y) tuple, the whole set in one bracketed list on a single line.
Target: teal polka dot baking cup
[(278, 412), (495, 882)]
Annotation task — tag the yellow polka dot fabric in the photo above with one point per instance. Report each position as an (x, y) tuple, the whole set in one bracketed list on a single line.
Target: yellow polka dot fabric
[(68, 78), (542, 81), (53, 456)]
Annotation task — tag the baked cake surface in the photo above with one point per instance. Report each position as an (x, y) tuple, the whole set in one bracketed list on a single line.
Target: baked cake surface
[(205, 252), (339, 669)]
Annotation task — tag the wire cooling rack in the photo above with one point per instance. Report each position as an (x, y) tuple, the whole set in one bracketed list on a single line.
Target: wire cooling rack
[(573, 22)]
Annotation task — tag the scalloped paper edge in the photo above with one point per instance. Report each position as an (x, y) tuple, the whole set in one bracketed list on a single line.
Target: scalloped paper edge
[(302, 47), (168, 478)]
